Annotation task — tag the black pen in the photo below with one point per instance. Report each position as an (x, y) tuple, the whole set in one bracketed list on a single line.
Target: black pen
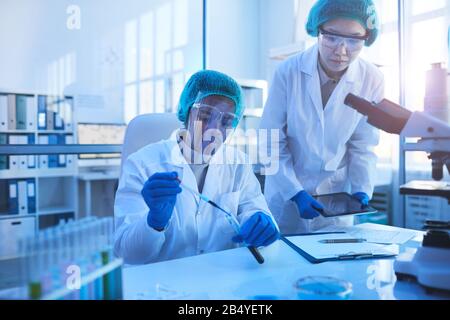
[(255, 252), (356, 240)]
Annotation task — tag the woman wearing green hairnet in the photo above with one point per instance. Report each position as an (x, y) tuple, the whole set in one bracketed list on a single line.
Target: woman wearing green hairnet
[(157, 218), (325, 146)]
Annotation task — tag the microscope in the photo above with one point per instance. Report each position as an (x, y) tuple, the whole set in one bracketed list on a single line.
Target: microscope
[(433, 134), (429, 265)]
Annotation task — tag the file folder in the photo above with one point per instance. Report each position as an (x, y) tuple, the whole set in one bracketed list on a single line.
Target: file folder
[(13, 205), (3, 112), (67, 106), (21, 112), (31, 195), (31, 162), (43, 159), (58, 120), (23, 196), (42, 112), (23, 159), (70, 157), (31, 159), (12, 112), (4, 160), (52, 158), (31, 113), (61, 157), (309, 247), (4, 197), (50, 113), (14, 161)]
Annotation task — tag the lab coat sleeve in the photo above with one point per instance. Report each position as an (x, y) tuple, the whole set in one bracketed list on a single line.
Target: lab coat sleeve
[(275, 117), (134, 240), (360, 151), (252, 199)]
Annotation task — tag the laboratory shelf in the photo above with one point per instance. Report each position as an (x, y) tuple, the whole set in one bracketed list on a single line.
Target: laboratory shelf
[(55, 210), (16, 216), (37, 173)]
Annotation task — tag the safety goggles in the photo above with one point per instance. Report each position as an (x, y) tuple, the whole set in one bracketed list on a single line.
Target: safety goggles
[(212, 117), (333, 40)]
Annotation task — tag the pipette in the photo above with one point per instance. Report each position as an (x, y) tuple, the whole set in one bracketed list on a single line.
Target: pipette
[(230, 218)]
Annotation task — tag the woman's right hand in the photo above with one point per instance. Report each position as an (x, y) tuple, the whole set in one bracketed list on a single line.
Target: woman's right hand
[(307, 206), (160, 194)]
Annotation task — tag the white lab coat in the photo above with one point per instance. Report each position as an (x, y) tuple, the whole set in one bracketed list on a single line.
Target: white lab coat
[(321, 150), (195, 227)]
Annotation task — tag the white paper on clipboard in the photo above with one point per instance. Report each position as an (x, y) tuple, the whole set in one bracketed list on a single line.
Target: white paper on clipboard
[(380, 234), (311, 244)]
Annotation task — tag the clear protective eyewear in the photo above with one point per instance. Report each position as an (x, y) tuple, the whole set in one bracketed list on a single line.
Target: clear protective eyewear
[(333, 40), (209, 114)]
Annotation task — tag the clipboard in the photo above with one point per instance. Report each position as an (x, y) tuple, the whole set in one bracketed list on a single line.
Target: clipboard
[(340, 257)]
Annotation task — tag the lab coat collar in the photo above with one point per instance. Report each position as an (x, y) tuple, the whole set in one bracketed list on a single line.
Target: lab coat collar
[(215, 170), (173, 151), (308, 65), (225, 155), (310, 58)]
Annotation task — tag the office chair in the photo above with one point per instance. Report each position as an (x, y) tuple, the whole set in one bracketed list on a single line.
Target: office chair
[(145, 129)]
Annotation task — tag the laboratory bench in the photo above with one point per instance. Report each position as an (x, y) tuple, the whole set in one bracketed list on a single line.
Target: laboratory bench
[(234, 274)]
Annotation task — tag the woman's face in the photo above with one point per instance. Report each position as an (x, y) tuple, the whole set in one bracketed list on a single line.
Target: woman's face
[(338, 46), (210, 120)]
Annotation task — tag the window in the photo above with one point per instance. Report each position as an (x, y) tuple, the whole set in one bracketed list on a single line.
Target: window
[(384, 53), (156, 65), (427, 27)]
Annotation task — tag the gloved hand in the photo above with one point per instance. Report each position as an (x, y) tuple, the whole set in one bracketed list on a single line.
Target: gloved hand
[(258, 230), (308, 207), (363, 198), (160, 194)]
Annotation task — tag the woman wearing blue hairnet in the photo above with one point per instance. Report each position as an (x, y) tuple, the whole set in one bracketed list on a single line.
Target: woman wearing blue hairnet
[(159, 219), (325, 146)]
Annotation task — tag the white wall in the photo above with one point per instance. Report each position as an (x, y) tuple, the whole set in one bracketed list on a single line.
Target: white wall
[(277, 30), (233, 37), (39, 53), (242, 32)]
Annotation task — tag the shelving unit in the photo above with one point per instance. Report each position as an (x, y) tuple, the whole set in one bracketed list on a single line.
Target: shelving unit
[(48, 119), (255, 96)]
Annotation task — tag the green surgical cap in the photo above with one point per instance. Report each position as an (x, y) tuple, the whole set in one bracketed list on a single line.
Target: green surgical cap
[(362, 11), (209, 83)]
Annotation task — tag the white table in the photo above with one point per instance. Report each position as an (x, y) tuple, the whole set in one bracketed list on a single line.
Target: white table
[(234, 274)]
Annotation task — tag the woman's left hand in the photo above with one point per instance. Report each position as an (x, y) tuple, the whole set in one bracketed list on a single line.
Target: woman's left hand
[(258, 230)]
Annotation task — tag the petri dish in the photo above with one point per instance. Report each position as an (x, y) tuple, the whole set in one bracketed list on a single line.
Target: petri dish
[(323, 288)]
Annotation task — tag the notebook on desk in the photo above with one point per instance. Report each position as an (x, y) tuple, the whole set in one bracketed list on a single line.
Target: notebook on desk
[(313, 248)]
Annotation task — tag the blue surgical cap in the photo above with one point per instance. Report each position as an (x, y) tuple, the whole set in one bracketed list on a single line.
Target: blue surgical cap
[(362, 11), (209, 83)]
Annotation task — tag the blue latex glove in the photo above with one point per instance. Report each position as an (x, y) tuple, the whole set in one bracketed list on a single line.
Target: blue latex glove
[(363, 198), (259, 230), (160, 194), (308, 207)]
